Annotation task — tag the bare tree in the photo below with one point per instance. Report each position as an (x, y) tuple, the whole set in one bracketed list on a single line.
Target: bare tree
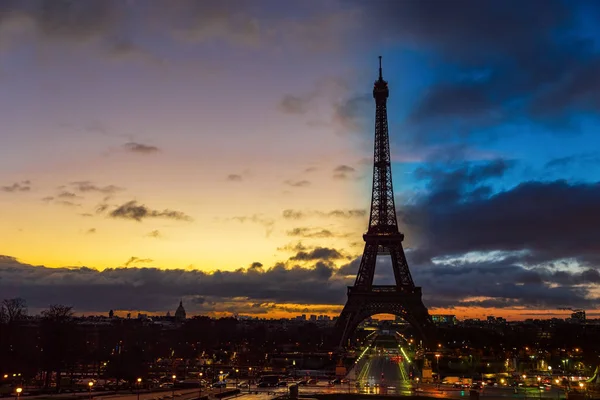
[(58, 340), (12, 310), (58, 313)]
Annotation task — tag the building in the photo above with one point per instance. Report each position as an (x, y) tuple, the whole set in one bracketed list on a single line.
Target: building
[(444, 319), (180, 312)]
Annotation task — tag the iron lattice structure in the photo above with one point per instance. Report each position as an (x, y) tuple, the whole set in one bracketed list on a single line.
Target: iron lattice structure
[(383, 237)]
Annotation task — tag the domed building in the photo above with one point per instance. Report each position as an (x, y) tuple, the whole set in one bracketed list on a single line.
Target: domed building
[(180, 313)]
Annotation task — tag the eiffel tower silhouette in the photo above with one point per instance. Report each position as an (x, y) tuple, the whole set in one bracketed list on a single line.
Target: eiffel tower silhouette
[(383, 238)]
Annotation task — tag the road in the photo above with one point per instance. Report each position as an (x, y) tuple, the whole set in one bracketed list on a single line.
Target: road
[(381, 375)]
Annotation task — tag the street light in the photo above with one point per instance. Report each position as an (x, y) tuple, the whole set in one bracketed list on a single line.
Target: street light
[(90, 384), (174, 377), (200, 385), (139, 384), (19, 390), (236, 377), (294, 364), (249, 378)]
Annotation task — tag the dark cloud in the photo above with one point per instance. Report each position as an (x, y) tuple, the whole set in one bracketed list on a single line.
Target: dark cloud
[(350, 113), (137, 260), (255, 265), (297, 214), (542, 67), (24, 186), (310, 233), (294, 247), (460, 175), (498, 282), (319, 253), (153, 289), (302, 183), (234, 178), (140, 148), (87, 186), (343, 172), (576, 159), (548, 220), (134, 211), (91, 22), (295, 104)]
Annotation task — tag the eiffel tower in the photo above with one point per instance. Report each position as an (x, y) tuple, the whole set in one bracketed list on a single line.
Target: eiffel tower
[(383, 238)]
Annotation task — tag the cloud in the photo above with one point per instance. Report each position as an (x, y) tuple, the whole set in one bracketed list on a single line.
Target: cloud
[(134, 211), (67, 23), (154, 234), (310, 233), (140, 148), (267, 223), (297, 214), (352, 113), (89, 187), (575, 159), (136, 260), (67, 195), (551, 220), (462, 213), (153, 289), (319, 253), (67, 203), (343, 172), (91, 230), (301, 183), (542, 68), (296, 104), (234, 178), (24, 186), (500, 284)]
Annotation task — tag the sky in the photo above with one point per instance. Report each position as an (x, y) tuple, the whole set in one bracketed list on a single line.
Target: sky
[(220, 152)]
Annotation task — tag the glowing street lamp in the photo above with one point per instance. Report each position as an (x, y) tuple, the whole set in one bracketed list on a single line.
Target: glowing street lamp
[(19, 390), (139, 384), (90, 384), (174, 377), (200, 385), (249, 377)]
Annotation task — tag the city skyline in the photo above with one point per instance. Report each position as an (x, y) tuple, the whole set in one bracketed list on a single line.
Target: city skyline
[(221, 152)]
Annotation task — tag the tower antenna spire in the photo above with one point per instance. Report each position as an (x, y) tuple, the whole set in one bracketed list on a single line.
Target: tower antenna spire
[(380, 71)]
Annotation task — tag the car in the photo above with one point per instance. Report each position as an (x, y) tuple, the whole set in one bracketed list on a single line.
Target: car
[(244, 385), (336, 381), (282, 383), (220, 384)]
